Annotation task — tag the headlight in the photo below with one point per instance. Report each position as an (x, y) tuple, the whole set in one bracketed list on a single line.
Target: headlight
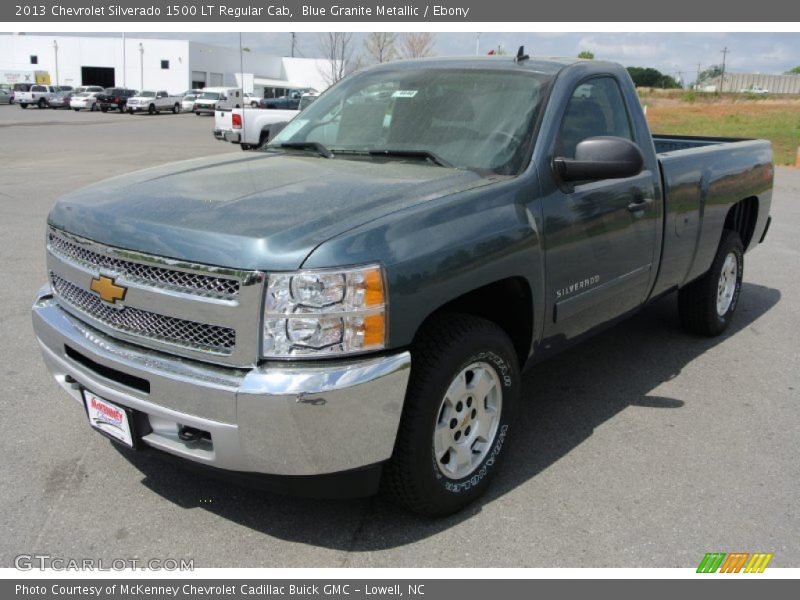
[(320, 312)]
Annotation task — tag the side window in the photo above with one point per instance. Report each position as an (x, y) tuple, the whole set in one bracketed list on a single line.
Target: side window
[(596, 108)]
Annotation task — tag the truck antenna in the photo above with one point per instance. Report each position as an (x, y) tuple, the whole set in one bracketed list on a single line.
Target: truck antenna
[(521, 55)]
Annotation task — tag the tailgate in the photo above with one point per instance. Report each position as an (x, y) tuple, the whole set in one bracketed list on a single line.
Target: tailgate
[(223, 120)]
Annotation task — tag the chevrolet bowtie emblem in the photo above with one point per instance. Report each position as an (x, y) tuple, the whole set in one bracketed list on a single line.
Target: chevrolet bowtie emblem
[(108, 290)]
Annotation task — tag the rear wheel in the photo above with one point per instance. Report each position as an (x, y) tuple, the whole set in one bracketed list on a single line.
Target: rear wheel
[(94, 107), (459, 405), (23, 105), (706, 305), (42, 103), (151, 109), (176, 108)]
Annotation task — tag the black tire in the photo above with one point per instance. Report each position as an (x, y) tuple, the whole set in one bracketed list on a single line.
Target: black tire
[(697, 302), (121, 108), (103, 109), (23, 105), (254, 105), (151, 109), (76, 109), (94, 107), (449, 345), (42, 103), (176, 109)]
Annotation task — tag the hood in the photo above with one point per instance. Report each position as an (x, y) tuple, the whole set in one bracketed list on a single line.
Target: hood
[(254, 211)]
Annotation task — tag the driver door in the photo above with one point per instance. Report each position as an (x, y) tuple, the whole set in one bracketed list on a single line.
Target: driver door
[(599, 235)]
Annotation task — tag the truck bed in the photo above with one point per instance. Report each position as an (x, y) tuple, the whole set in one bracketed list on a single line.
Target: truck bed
[(702, 177)]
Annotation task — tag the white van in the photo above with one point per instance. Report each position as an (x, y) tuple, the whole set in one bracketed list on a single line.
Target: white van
[(217, 98)]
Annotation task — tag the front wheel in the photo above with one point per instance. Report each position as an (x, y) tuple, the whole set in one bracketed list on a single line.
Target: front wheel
[(460, 403), (706, 305)]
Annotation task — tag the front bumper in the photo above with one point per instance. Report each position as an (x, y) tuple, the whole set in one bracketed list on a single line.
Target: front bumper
[(297, 419), (206, 110)]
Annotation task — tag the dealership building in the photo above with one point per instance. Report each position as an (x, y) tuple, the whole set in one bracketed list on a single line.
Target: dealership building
[(148, 63)]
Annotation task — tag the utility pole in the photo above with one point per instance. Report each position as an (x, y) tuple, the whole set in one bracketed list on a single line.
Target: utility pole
[(55, 48), (294, 42), (680, 78), (697, 79), (477, 44), (722, 77), (124, 66), (141, 67)]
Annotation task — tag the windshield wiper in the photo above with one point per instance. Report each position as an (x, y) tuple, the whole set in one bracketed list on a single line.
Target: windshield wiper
[(425, 154), (319, 148)]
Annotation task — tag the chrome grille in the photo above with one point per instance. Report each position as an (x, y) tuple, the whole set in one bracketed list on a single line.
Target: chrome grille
[(134, 321), (160, 277)]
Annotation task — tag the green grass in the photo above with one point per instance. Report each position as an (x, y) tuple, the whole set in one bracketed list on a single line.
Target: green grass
[(778, 122)]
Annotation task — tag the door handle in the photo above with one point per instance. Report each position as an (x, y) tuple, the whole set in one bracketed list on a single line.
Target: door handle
[(640, 203)]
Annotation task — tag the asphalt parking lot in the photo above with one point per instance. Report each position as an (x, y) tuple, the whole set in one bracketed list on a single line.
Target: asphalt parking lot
[(643, 447)]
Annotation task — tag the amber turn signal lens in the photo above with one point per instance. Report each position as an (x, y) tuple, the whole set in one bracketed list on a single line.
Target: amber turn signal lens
[(373, 289), (374, 330)]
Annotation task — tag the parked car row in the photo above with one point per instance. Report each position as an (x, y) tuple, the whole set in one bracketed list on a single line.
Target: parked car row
[(207, 101)]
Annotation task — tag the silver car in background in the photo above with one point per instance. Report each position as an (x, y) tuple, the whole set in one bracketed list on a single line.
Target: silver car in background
[(84, 101)]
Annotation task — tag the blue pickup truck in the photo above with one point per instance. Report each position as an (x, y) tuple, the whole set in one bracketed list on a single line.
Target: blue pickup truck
[(289, 101), (349, 310)]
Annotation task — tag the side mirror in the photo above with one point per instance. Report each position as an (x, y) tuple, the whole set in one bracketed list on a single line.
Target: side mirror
[(605, 157)]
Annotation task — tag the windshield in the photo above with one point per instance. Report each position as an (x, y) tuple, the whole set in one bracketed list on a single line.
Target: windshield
[(210, 95), (189, 97), (147, 94), (480, 119)]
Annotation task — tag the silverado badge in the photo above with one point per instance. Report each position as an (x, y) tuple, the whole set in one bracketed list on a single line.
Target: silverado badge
[(108, 290)]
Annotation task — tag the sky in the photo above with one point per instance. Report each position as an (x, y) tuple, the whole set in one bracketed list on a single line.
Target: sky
[(676, 54)]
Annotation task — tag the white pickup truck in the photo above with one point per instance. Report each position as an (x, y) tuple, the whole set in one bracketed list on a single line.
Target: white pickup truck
[(250, 127), (153, 102), (39, 95)]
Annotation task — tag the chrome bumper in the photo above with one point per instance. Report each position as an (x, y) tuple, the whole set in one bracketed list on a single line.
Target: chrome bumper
[(233, 137), (294, 419)]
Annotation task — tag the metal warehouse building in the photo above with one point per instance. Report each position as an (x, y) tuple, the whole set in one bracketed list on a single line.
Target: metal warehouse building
[(774, 84), (147, 63)]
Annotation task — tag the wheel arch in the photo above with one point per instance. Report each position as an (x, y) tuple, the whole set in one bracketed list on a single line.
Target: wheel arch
[(742, 218), (508, 303)]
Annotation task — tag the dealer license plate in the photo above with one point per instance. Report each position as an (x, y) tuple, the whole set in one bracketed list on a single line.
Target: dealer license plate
[(108, 418)]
